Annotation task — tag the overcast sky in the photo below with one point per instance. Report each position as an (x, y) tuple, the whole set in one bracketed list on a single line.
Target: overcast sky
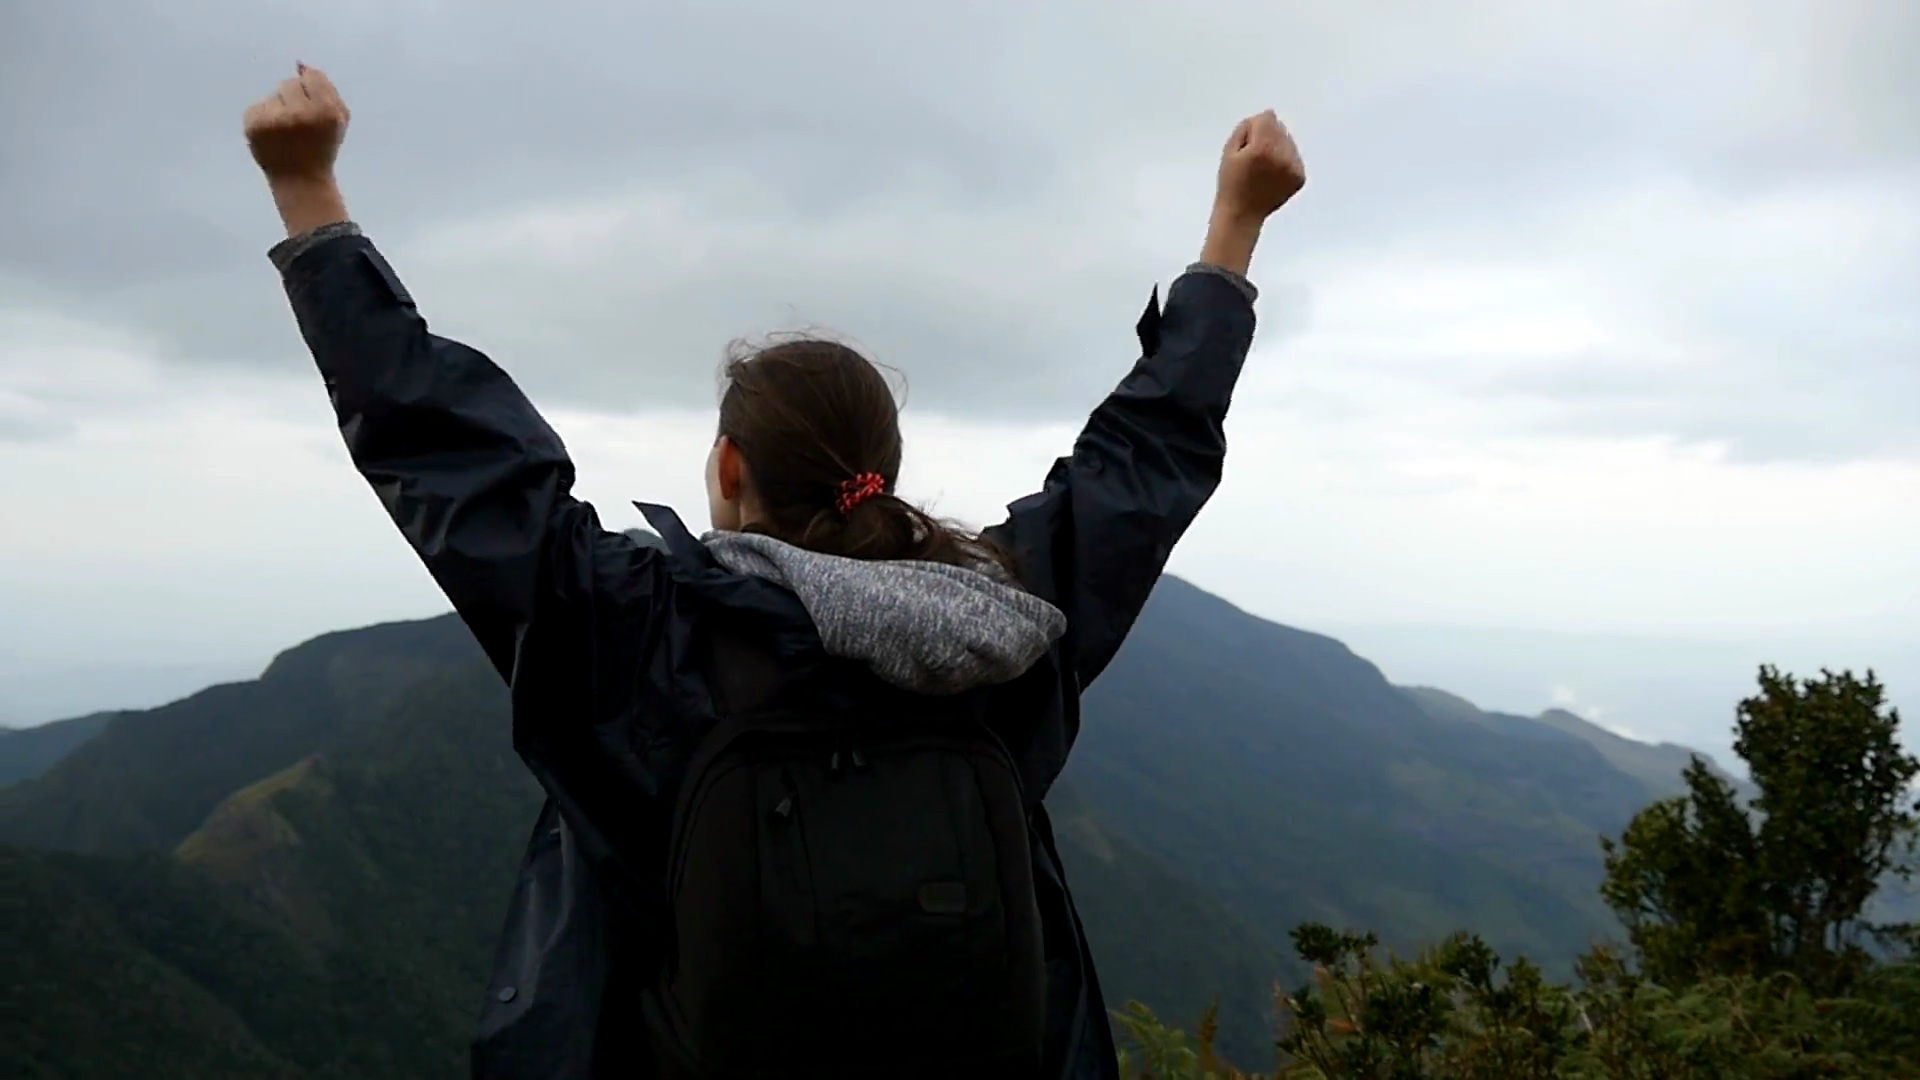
[(1596, 318)]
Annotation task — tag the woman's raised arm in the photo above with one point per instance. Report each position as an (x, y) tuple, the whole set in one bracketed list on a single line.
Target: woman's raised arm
[(476, 480), (1095, 538)]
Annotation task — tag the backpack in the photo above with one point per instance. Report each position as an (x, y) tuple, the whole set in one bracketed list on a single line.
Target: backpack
[(850, 889)]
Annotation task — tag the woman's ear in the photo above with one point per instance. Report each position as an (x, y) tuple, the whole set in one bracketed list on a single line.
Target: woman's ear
[(727, 468)]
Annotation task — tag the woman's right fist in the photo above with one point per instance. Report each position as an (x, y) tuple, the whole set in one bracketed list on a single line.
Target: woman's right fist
[(295, 132), (1260, 168)]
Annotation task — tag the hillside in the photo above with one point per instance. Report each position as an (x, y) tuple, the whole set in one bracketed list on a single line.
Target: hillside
[(102, 978), (27, 752), (354, 818), (150, 777), (1654, 764), (387, 862), (334, 918), (1288, 775), (1657, 766), (1162, 939)]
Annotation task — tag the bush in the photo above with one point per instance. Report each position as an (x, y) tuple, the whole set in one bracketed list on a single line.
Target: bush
[(1747, 925), (1457, 1012)]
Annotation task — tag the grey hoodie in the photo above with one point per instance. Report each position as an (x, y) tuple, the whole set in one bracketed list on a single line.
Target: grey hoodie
[(926, 627)]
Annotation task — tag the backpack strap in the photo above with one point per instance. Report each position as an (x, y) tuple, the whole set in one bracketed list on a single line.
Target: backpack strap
[(744, 677)]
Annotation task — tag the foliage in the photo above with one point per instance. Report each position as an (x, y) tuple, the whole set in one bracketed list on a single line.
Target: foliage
[(1453, 1013), (331, 920), (1315, 790), (1448, 1013), (1290, 781), (1748, 957), (1706, 886), (346, 829)]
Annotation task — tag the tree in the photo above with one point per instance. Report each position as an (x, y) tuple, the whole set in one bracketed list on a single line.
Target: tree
[(1707, 886), (1455, 1012), (1747, 920)]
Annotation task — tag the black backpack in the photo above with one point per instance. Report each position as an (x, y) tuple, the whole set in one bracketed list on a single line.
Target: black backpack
[(850, 889)]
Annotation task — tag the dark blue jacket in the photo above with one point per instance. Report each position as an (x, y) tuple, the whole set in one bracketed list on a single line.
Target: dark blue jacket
[(593, 631)]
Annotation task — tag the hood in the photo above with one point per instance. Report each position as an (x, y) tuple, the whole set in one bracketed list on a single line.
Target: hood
[(926, 627)]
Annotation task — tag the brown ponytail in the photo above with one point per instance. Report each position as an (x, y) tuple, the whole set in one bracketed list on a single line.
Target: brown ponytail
[(815, 422)]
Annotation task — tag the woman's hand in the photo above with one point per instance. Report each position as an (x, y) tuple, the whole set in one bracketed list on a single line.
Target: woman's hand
[(295, 134), (1260, 169)]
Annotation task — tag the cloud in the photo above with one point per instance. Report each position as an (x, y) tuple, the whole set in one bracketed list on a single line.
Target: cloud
[(1592, 316), (24, 421), (1561, 696), (1703, 212), (1770, 326)]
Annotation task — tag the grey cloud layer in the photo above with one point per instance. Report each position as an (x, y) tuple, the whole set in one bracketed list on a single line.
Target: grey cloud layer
[(1018, 175)]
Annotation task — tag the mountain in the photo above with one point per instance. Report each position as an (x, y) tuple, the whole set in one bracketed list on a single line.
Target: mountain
[(384, 861), (333, 918), (101, 973), (1162, 939), (1657, 766), (150, 777), (309, 867), (27, 752), (1294, 780)]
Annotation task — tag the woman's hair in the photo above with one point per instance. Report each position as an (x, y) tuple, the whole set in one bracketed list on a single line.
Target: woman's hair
[(811, 419)]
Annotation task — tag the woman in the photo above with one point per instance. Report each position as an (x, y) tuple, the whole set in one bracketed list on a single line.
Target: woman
[(794, 768)]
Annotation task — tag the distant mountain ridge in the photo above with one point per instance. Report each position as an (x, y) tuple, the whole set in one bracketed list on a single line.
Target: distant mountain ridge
[(106, 796), (1656, 765), (1327, 793), (27, 752), (302, 844)]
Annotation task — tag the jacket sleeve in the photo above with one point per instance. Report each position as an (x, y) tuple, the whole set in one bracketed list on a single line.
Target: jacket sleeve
[(1095, 538), (469, 471)]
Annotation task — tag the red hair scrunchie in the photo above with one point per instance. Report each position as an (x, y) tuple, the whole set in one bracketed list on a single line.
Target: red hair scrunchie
[(859, 489)]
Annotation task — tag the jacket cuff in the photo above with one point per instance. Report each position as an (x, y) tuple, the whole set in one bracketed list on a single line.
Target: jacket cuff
[(1247, 288), (286, 251)]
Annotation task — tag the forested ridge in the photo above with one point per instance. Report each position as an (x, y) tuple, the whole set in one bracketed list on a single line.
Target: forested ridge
[(301, 875)]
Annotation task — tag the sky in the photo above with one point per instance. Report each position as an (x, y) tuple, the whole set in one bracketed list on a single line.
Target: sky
[(1593, 330)]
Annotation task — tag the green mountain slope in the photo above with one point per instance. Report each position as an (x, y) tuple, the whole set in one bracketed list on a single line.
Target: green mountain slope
[(1297, 783), (332, 919), (1657, 766), (86, 995), (27, 752), (353, 820), (1162, 940), (151, 776)]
